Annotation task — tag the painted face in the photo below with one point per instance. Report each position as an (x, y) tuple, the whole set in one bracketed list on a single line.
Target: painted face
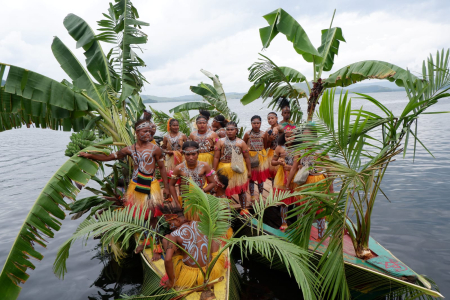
[(202, 125), (175, 127), (272, 119), (286, 113), (174, 223), (152, 129), (144, 134), (231, 132), (191, 156), (256, 125)]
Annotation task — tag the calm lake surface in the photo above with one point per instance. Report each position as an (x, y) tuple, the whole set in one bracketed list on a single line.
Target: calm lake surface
[(413, 226)]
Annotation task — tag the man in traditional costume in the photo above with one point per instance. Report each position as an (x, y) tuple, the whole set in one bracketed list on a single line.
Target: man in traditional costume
[(200, 172), (257, 142), (143, 188), (172, 142), (206, 139), (182, 271), (224, 151)]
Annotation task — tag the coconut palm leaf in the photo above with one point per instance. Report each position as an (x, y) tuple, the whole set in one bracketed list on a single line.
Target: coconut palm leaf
[(280, 21), (191, 106), (161, 118), (368, 69), (42, 220)]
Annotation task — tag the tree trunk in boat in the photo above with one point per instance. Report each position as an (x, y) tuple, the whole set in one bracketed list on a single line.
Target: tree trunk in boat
[(363, 252), (207, 295), (316, 91)]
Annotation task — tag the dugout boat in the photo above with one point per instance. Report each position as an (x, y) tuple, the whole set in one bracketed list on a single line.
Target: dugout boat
[(155, 270), (382, 275)]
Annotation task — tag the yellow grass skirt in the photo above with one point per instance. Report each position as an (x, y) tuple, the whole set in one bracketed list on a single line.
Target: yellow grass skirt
[(155, 198), (280, 181), (187, 277), (262, 172), (173, 160), (207, 157), (272, 169), (237, 183)]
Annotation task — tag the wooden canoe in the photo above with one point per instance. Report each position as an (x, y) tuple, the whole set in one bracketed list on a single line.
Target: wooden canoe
[(154, 271), (368, 279)]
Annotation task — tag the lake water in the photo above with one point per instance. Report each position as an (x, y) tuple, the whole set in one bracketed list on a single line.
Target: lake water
[(413, 226)]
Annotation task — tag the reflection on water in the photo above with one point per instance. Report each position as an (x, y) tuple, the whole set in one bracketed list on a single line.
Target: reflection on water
[(413, 226)]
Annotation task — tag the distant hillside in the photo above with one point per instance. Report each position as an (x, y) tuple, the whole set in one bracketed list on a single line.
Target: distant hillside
[(187, 98), (379, 87)]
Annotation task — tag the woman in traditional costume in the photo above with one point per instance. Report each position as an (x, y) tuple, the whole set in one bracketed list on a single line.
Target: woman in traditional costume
[(238, 175), (286, 114), (218, 125), (314, 176), (284, 159), (205, 139), (199, 171), (172, 142), (272, 136), (257, 141), (143, 188)]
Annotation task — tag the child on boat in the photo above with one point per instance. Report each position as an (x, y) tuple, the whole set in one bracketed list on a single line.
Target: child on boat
[(257, 142)]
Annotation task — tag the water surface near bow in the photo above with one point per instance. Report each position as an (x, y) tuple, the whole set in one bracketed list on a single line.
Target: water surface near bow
[(414, 226)]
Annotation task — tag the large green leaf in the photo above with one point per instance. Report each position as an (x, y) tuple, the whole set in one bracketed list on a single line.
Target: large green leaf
[(96, 61), (42, 220), (330, 46), (368, 69), (281, 21), (29, 97), (191, 106)]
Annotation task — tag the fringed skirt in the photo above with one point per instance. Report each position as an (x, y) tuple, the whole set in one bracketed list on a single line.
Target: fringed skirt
[(262, 172), (187, 277), (173, 160), (237, 183), (138, 199), (207, 157), (272, 169), (280, 181)]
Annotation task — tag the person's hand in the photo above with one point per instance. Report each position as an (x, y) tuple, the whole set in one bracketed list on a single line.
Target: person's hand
[(166, 192), (168, 284), (84, 154), (249, 175), (275, 131), (139, 249), (271, 137), (156, 256), (170, 153), (287, 167)]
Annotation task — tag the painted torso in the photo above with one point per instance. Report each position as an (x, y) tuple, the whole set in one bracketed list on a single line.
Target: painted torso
[(256, 140), (143, 159), (174, 143), (193, 242), (195, 174), (227, 146), (204, 140)]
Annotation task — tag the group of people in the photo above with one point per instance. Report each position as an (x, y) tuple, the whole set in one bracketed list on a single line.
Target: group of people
[(216, 160)]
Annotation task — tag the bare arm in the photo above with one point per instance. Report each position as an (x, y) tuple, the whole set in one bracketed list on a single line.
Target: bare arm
[(246, 136), (162, 169), (170, 249), (266, 140), (172, 189), (247, 159), (216, 155), (276, 155), (210, 179), (294, 168), (101, 157)]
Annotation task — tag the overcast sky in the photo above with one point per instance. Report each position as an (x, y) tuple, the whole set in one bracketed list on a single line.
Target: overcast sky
[(222, 36)]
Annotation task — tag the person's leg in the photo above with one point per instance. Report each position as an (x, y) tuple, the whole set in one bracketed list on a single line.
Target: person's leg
[(261, 187), (251, 187), (243, 202), (321, 227), (283, 212)]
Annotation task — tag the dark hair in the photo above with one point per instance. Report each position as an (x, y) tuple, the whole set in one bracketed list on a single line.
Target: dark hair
[(222, 179), (272, 113), (205, 113), (201, 117), (172, 120), (139, 122), (283, 102), (282, 139), (232, 123), (255, 117), (174, 210), (190, 144), (147, 115), (221, 120)]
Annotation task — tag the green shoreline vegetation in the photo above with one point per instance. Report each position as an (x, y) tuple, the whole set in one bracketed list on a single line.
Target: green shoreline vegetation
[(102, 102)]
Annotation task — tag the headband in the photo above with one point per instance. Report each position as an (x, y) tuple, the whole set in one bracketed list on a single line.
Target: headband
[(272, 113), (170, 217), (143, 125), (190, 151), (201, 117)]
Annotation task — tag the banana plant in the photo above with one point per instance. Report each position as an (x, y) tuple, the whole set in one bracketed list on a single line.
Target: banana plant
[(271, 80), (105, 92), (213, 99)]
